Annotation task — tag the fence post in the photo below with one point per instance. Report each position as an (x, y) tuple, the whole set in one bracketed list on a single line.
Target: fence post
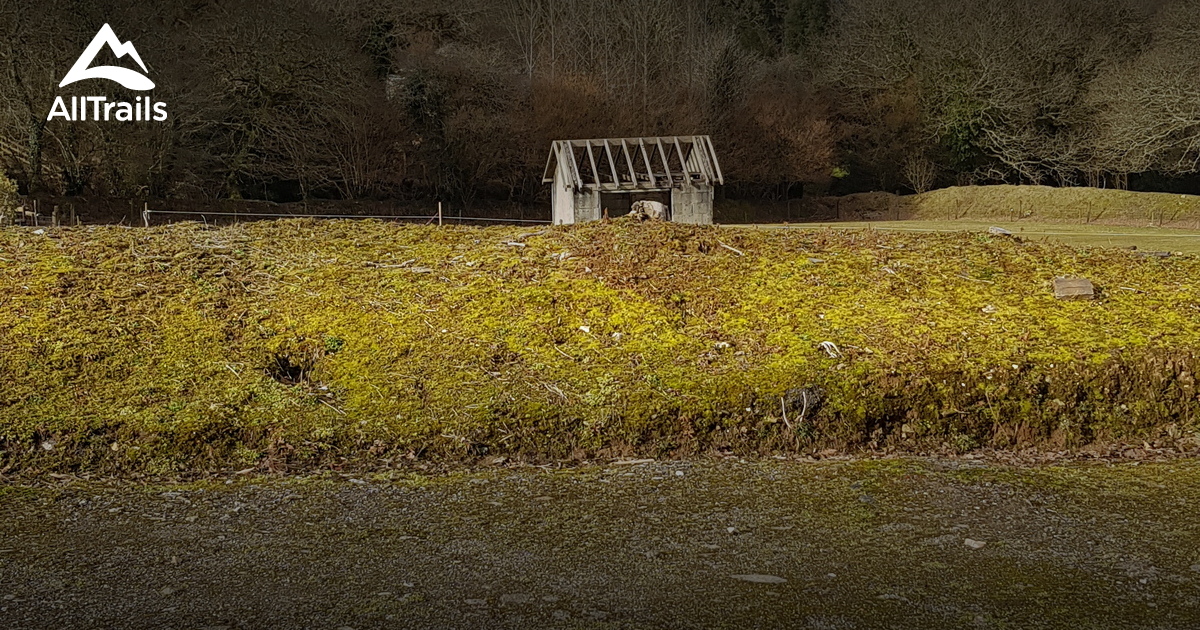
[(439, 213), (146, 213), (54, 217)]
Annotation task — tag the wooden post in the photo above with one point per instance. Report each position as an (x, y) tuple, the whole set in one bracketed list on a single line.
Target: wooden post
[(439, 213), (74, 219), (146, 213), (54, 217)]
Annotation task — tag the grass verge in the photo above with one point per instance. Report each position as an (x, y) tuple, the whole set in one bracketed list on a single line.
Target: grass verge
[(291, 343)]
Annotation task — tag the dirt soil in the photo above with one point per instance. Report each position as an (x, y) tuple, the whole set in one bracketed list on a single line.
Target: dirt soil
[(685, 544)]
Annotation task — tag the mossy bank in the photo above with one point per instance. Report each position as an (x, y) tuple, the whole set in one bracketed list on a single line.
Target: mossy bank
[(296, 343)]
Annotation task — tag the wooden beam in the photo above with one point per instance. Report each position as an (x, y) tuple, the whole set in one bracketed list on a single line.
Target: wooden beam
[(574, 165), (700, 152), (662, 153), (687, 177), (629, 162), (712, 152), (555, 158), (611, 164), (592, 160), (649, 165)]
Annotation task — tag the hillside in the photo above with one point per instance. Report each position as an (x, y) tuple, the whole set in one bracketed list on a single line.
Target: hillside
[(290, 343), (1036, 204)]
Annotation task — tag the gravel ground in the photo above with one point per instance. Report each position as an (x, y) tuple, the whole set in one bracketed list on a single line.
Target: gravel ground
[(732, 544)]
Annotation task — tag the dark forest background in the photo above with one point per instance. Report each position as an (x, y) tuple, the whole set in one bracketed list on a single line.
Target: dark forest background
[(458, 99)]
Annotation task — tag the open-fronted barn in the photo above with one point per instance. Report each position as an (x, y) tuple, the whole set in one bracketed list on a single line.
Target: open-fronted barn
[(591, 175)]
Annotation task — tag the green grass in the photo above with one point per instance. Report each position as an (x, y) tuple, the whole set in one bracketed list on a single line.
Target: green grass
[(1146, 239), (290, 343)]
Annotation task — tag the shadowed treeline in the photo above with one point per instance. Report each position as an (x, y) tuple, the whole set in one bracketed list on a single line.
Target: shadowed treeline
[(363, 99)]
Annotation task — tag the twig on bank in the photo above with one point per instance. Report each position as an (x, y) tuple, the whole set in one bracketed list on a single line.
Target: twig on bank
[(732, 249)]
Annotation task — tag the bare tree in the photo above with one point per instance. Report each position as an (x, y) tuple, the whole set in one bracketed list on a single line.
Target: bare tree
[(1149, 108)]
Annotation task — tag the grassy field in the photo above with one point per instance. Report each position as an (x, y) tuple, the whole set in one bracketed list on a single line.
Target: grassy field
[(283, 344), (1033, 204), (1146, 239)]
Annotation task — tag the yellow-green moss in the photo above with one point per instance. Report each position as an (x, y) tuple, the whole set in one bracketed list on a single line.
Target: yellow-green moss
[(275, 343)]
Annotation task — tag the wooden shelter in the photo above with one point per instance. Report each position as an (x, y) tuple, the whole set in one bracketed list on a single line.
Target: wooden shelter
[(587, 175)]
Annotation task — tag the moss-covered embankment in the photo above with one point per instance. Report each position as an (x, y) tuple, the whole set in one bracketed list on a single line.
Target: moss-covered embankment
[(277, 344)]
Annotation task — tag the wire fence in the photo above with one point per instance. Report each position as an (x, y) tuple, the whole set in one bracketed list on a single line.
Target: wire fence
[(438, 218)]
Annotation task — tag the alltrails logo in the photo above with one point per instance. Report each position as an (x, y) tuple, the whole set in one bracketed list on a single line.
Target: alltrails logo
[(101, 108)]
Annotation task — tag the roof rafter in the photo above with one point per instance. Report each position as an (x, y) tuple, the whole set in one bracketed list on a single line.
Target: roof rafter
[(697, 163)]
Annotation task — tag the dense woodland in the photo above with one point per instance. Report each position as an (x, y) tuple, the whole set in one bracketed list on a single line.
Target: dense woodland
[(458, 99)]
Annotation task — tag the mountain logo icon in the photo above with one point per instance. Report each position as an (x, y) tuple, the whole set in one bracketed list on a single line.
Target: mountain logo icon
[(131, 79)]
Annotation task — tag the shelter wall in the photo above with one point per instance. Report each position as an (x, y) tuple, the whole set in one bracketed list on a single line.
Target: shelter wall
[(692, 204)]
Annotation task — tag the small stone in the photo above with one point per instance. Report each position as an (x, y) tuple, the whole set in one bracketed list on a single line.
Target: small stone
[(974, 544), (999, 231), (759, 578), (39, 232), (358, 482), (191, 519), (9, 597), (731, 530), (1196, 568), (866, 498), (678, 473), (166, 590), (815, 261), (989, 309), (1073, 289)]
